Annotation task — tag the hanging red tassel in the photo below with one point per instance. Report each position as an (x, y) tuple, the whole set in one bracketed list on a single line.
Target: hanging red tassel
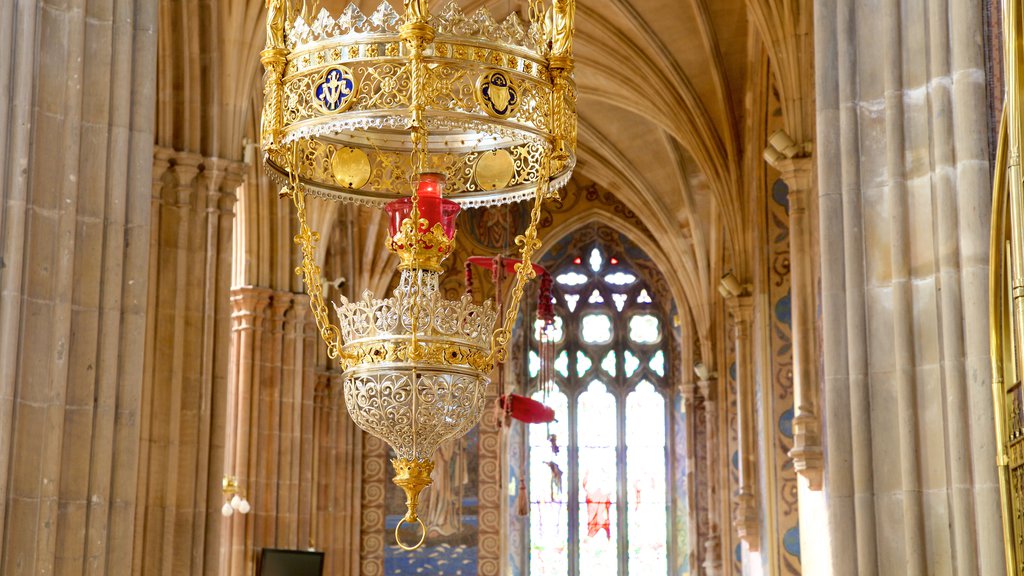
[(545, 303), (522, 499), (526, 409)]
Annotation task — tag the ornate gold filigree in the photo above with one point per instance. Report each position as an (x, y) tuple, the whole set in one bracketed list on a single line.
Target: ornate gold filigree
[(436, 353), (412, 476), (402, 86), (355, 108), (562, 27), (432, 246)]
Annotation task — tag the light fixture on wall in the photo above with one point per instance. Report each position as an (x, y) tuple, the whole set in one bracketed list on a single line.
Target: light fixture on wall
[(422, 115), (234, 497), (781, 146), (702, 372), (730, 287)]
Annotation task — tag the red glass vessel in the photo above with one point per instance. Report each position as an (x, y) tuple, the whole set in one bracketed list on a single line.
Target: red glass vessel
[(433, 207)]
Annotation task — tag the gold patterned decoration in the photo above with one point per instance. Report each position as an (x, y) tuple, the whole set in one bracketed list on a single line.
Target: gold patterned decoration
[(432, 247), (412, 476), (372, 54), (334, 90), (1006, 301), (497, 94), (494, 169), (350, 167)]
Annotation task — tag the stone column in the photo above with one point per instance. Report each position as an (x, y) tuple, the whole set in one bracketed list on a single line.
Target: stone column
[(76, 137), (248, 306), (689, 392), (745, 517), (904, 206), (184, 385), (807, 451), (713, 539)]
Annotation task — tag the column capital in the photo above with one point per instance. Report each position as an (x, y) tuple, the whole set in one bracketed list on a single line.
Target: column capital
[(797, 173), (746, 522), (741, 308), (247, 303), (709, 389), (808, 457), (280, 303), (185, 167), (161, 163), (689, 391), (713, 554)]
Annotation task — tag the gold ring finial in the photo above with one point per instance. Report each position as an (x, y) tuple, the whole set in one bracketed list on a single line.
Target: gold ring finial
[(423, 535), (412, 476)]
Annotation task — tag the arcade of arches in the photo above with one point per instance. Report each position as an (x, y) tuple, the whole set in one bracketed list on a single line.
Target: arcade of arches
[(797, 197)]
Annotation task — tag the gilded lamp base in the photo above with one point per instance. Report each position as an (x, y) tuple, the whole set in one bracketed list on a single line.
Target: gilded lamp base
[(412, 476)]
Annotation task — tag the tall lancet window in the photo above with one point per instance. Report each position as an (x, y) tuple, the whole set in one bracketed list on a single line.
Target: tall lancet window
[(599, 499)]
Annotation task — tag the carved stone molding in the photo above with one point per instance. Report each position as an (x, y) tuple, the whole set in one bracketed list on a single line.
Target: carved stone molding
[(745, 518), (808, 460)]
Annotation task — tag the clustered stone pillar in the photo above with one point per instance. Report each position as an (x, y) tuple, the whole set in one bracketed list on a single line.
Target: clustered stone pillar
[(185, 381), (713, 539), (904, 205), (806, 452), (745, 517), (76, 138), (287, 441), (689, 394)]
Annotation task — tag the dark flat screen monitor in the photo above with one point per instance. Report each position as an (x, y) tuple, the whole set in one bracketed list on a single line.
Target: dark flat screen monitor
[(291, 563)]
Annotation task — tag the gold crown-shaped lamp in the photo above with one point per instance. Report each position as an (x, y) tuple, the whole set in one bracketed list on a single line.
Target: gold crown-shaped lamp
[(422, 115), (345, 101)]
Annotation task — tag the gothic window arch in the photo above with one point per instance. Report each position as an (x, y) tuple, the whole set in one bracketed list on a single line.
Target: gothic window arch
[(599, 505)]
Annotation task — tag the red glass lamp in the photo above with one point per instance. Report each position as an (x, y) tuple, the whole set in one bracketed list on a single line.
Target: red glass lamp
[(435, 238)]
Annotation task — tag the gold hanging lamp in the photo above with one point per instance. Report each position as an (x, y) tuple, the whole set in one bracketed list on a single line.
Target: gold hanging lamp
[(421, 115)]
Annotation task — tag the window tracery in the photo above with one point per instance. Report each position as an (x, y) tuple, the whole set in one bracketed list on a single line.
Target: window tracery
[(599, 495)]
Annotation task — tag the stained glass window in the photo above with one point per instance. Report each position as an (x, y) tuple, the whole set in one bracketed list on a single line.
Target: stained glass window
[(571, 279), (610, 516), (620, 278), (620, 301), (632, 363), (657, 363), (554, 331), (647, 508), (583, 363), (608, 364), (597, 441), (549, 528), (562, 364), (571, 300), (533, 363), (596, 329)]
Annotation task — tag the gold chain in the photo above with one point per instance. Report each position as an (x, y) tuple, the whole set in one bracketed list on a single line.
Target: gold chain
[(528, 245), (528, 242), (307, 240), (417, 34)]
